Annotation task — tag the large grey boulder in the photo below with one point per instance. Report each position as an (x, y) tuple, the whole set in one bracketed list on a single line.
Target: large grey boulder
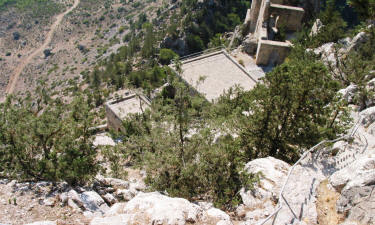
[(359, 174), (114, 182), (358, 40), (43, 223), (359, 204), (260, 201), (93, 202), (317, 26), (273, 173), (349, 93), (368, 116), (327, 53), (155, 208), (250, 45)]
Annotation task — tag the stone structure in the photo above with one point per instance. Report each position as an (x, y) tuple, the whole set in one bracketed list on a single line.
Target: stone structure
[(214, 73), (123, 104), (263, 22)]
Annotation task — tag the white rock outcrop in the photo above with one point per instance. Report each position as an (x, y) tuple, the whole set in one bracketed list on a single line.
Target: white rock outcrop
[(260, 202), (368, 116), (43, 223), (93, 202), (155, 208), (273, 173), (359, 174), (349, 93)]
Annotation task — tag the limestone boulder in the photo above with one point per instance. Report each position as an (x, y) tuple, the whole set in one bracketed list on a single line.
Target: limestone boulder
[(349, 93), (155, 208), (358, 40), (260, 201), (43, 223), (93, 202), (114, 182), (109, 198), (359, 174), (359, 204), (368, 116), (125, 194), (250, 45), (317, 26), (272, 172), (327, 52)]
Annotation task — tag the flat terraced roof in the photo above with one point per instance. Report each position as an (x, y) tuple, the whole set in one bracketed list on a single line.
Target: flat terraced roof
[(220, 72), (125, 106)]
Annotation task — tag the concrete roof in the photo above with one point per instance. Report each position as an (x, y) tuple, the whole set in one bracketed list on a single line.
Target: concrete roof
[(221, 72), (128, 104)]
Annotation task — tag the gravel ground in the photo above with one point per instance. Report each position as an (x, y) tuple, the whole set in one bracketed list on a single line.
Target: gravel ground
[(22, 207)]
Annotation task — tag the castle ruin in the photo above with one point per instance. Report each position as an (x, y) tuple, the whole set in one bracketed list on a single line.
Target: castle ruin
[(270, 24)]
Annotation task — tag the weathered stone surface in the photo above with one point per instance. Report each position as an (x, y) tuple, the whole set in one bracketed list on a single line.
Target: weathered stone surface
[(358, 40), (358, 174), (218, 214), (116, 209), (273, 172), (113, 220), (260, 202), (49, 201), (368, 116), (359, 204), (349, 93), (73, 205), (75, 198), (43, 223), (125, 194), (155, 208), (63, 198), (117, 183), (93, 202), (162, 209), (317, 26), (109, 198), (326, 52)]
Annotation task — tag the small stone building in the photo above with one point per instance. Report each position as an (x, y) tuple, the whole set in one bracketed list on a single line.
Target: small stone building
[(263, 23), (123, 104)]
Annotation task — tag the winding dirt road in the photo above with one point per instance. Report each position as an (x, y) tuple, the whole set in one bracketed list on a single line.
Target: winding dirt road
[(14, 78)]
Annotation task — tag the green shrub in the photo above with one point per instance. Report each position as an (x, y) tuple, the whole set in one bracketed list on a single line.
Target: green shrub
[(364, 8), (195, 43), (166, 55), (47, 139)]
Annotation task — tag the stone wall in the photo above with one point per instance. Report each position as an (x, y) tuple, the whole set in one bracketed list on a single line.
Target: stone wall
[(271, 52), (288, 16), (113, 121)]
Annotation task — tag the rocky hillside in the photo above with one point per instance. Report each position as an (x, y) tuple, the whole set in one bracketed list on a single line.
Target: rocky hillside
[(332, 185), (90, 32), (185, 160)]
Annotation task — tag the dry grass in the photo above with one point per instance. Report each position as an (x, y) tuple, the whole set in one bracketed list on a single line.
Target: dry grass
[(326, 205)]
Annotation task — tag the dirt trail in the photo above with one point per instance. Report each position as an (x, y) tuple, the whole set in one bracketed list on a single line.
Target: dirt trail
[(14, 78)]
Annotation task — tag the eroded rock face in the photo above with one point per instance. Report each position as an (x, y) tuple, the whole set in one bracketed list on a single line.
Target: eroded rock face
[(260, 202), (43, 223), (273, 173), (359, 204), (317, 26), (349, 93), (359, 174), (155, 208), (368, 116), (93, 202)]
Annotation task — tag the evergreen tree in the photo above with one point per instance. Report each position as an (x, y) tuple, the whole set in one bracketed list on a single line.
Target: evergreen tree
[(291, 110)]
